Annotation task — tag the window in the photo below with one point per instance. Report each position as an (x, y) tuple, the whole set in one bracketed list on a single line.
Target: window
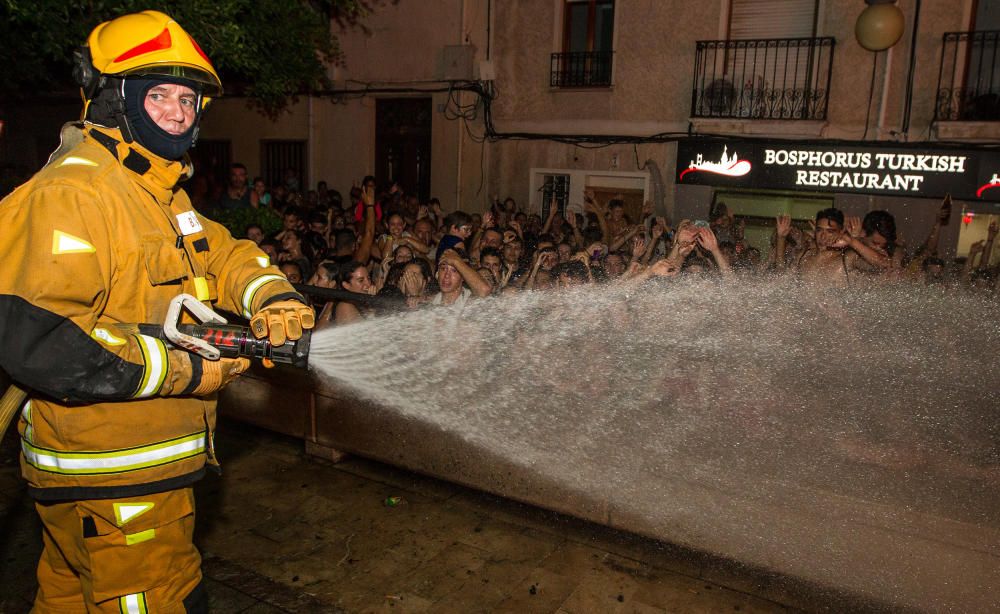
[(284, 162), (557, 186), (403, 143), (588, 33), (749, 19), (969, 77), (588, 25), (569, 186)]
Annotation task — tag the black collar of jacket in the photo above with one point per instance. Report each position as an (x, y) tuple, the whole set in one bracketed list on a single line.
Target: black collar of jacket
[(134, 161)]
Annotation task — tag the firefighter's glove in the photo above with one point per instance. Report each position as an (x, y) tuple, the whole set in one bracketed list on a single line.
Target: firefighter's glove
[(217, 373), (281, 321)]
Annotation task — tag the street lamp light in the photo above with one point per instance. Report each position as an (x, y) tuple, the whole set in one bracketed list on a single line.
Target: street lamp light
[(880, 25)]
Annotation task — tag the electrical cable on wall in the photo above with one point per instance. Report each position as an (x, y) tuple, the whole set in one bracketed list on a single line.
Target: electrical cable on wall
[(871, 96), (908, 102), (487, 93)]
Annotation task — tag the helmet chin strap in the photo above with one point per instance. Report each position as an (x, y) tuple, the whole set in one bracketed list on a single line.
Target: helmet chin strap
[(107, 107), (119, 114), (197, 119)]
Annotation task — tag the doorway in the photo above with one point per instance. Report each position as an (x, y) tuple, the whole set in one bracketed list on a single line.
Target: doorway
[(403, 144)]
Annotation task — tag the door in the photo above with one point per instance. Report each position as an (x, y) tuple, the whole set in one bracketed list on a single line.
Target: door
[(403, 144)]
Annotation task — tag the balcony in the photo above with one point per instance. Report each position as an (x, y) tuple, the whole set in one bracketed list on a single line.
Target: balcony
[(767, 79), (969, 78), (581, 69)]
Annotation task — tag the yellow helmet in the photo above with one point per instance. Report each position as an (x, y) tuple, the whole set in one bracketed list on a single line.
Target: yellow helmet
[(148, 44), (121, 60)]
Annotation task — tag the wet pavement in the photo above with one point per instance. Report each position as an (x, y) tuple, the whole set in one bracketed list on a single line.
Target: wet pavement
[(285, 532)]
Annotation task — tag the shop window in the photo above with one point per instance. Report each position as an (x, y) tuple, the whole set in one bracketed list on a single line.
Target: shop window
[(757, 210)]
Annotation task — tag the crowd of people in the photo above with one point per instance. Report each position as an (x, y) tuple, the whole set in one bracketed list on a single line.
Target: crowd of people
[(385, 242)]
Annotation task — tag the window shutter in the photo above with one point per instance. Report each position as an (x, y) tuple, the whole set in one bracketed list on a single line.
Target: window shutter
[(752, 19)]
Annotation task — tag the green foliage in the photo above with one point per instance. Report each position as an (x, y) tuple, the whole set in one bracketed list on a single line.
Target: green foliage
[(269, 50), (237, 220)]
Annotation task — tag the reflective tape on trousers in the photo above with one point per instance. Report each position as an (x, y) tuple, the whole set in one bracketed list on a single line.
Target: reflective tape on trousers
[(114, 461)]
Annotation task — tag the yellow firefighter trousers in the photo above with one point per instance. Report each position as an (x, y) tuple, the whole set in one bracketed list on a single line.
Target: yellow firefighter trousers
[(131, 555)]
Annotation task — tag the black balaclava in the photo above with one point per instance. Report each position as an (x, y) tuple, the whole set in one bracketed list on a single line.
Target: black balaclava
[(144, 129)]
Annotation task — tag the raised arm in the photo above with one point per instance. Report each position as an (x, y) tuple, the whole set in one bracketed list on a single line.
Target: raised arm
[(479, 286), (553, 211), (991, 235), (475, 245), (536, 265), (656, 232), (364, 250), (617, 242), (852, 239), (974, 250), (782, 226), (577, 236), (706, 238), (930, 245), (684, 243)]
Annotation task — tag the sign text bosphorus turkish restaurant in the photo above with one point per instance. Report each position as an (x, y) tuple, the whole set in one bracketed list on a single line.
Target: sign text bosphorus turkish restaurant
[(966, 174)]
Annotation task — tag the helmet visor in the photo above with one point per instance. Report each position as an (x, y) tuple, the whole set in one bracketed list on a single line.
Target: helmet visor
[(209, 83)]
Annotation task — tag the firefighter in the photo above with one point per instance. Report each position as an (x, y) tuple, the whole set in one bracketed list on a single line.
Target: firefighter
[(118, 425)]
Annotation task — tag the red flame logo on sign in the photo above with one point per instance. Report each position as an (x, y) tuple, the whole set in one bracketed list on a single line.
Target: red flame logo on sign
[(994, 183)]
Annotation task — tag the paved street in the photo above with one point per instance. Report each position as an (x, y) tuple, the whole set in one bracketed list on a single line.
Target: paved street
[(282, 532)]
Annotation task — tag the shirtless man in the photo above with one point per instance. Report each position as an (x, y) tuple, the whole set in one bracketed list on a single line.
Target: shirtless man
[(827, 262)]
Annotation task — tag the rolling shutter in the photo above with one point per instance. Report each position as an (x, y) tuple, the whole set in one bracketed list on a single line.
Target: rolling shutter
[(750, 19)]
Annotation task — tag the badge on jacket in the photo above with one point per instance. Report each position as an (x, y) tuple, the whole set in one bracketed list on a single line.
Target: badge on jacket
[(188, 223)]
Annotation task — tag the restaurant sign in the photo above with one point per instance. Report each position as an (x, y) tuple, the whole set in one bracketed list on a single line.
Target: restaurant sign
[(835, 167)]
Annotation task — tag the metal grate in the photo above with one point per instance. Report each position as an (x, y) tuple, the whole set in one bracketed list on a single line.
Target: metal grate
[(581, 69), (278, 156), (557, 185), (776, 78), (969, 78)]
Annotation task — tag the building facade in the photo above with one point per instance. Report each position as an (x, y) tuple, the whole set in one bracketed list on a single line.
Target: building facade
[(470, 100), (735, 77)]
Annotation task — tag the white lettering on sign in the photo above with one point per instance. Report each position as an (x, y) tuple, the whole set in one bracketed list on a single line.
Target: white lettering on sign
[(838, 159), (892, 172), (859, 181)]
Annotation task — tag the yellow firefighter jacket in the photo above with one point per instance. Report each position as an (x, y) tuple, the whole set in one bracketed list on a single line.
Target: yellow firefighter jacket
[(100, 237)]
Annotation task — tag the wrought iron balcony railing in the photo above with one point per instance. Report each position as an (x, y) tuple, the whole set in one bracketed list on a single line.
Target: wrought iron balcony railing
[(778, 78), (581, 69), (969, 79)]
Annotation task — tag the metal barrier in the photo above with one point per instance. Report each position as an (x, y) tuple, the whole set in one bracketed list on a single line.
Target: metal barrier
[(780, 78), (581, 69), (969, 78)]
